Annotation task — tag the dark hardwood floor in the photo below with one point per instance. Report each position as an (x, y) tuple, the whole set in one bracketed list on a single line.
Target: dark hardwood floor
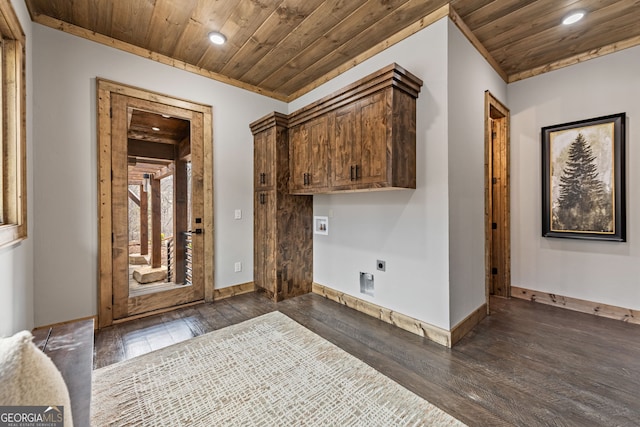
[(527, 364)]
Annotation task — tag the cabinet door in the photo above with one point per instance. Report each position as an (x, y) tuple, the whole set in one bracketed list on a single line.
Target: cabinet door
[(298, 137), (264, 238), (373, 136), (309, 162), (264, 159), (344, 147)]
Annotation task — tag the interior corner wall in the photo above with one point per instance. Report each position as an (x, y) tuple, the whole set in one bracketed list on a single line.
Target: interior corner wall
[(406, 228), (602, 272), (65, 165), (16, 261), (470, 75)]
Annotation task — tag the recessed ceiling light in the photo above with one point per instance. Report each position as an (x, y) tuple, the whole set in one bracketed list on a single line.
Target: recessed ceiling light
[(166, 116), (156, 128), (217, 38), (573, 17)]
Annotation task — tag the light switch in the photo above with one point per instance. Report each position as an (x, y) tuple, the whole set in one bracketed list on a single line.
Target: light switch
[(237, 214)]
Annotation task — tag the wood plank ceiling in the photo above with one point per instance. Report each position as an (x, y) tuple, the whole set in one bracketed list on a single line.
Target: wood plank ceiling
[(285, 48)]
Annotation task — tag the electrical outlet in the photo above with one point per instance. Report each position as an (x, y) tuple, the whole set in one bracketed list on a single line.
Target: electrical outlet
[(237, 267), (237, 214), (381, 265)]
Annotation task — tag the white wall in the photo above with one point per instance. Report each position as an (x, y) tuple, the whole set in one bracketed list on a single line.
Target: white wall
[(16, 261), (406, 228), (470, 75), (65, 165), (410, 229), (603, 272)]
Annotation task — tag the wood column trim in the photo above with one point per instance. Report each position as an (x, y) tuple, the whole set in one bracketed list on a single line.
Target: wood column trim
[(468, 323)]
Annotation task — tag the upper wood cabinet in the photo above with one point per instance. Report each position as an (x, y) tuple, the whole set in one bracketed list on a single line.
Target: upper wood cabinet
[(264, 151), (361, 138)]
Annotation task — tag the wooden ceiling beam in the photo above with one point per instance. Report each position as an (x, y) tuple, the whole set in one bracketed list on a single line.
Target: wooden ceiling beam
[(184, 149), (133, 197), (164, 172), (151, 150)]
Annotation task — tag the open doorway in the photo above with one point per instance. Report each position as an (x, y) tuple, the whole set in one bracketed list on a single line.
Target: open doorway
[(497, 199), (156, 203), (159, 205)]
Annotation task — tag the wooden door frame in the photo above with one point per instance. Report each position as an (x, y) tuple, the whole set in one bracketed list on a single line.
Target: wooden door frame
[(104, 89), (496, 110)]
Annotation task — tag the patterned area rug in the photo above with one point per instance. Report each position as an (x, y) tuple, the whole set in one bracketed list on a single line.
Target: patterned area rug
[(267, 371)]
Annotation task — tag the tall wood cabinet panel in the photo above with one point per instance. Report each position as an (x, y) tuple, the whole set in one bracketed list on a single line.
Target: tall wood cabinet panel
[(283, 240), (369, 128)]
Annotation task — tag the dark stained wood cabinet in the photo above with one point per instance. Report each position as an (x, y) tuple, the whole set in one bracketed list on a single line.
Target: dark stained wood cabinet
[(309, 147), (363, 137), (360, 143), (283, 240), (264, 159)]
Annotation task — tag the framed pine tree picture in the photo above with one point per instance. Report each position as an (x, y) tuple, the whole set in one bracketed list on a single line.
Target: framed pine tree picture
[(583, 179)]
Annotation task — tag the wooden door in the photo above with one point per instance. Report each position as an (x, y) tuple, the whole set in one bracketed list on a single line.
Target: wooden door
[(499, 211), (374, 139), (497, 199), (125, 304), (359, 142), (264, 241), (298, 141), (264, 158), (345, 150), (308, 147)]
